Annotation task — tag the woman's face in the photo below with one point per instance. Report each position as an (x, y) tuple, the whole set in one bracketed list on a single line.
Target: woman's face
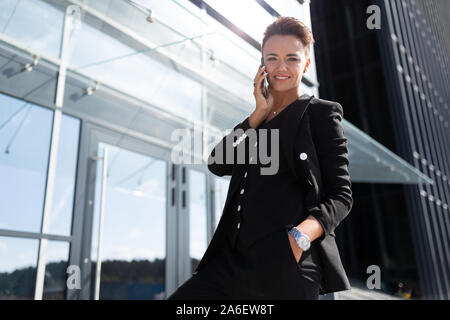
[(284, 55)]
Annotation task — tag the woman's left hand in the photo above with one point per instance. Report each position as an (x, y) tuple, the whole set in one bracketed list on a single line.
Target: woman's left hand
[(295, 248)]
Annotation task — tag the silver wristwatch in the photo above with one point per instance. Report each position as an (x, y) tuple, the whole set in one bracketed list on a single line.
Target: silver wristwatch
[(302, 239)]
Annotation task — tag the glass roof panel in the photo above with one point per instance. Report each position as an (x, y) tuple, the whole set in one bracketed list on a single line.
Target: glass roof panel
[(372, 162), (36, 23), (248, 15), (291, 8)]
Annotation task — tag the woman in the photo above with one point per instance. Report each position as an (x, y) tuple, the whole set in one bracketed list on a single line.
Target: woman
[(275, 239)]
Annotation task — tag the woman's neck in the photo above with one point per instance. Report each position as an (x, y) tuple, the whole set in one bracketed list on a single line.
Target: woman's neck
[(282, 99)]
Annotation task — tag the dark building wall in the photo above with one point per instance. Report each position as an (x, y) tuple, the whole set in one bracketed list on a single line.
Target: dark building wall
[(417, 62), (356, 67)]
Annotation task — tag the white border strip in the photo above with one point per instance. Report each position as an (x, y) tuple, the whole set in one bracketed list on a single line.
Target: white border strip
[(51, 174)]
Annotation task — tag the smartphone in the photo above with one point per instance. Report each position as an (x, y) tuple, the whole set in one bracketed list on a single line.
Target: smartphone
[(265, 84)]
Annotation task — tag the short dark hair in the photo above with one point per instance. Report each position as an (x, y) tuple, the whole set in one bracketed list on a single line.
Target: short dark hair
[(290, 26)]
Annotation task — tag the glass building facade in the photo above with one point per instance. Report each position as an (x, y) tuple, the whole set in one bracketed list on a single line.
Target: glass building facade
[(92, 96)]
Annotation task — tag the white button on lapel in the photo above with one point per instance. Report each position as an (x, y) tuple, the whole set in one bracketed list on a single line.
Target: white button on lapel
[(234, 144), (242, 191), (303, 156)]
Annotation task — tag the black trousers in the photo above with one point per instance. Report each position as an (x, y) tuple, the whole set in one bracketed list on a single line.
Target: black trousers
[(266, 270)]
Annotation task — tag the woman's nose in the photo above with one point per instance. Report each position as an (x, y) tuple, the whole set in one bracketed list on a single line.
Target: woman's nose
[(282, 65)]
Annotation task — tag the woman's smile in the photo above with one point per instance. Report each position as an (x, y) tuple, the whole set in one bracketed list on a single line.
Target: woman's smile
[(281, 78)]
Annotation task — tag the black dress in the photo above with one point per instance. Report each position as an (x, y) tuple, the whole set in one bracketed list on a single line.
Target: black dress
[(253, 271)]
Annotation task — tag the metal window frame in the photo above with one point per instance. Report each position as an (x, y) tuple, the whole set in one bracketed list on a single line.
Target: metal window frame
[(54, 145), (43, 236)]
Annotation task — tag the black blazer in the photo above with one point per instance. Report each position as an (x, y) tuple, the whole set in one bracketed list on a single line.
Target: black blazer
[(312, 128)]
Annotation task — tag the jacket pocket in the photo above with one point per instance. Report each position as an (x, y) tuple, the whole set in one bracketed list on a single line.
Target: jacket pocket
[(294, 259)]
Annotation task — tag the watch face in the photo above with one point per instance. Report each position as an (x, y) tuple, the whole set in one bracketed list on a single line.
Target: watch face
[(304, 243)]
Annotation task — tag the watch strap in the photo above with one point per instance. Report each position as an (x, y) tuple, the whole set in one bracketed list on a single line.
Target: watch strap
[(297, 235)]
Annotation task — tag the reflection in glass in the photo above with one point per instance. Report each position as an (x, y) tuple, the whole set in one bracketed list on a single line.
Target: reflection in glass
[(220, 195), (180, 32), (61, 215), (290, 8), (18, 261), (225, 45), (133, 72), (134, 229), (255, 26), (37, 24), (197, 216), (25, 132), (57, 256)]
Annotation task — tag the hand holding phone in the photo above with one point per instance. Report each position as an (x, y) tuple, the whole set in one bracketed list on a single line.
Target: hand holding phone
[(265, 84), (263, 98)]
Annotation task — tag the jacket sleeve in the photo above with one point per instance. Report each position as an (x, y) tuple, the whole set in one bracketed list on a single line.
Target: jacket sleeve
[(331, 148), (229, 142)]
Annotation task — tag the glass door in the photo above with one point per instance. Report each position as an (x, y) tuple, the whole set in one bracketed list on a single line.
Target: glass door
[(128, 237), (198, 217)]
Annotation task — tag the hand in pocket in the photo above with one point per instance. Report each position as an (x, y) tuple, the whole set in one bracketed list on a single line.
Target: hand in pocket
[(295, 248)]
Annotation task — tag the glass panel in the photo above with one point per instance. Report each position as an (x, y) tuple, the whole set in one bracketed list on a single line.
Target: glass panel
[(235, 60), (57, 257), (18, 261), (372, 162), (220, 196), (308, 90), (134, 229), (197, 216), (163, 55), (136, 70), (165, 13), (292, 8), (239, 59), (36, 24), (237, 11), (66, 165), (25, 132)]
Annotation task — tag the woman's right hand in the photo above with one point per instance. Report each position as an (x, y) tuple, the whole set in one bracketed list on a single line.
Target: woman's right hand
[(263, 105)]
